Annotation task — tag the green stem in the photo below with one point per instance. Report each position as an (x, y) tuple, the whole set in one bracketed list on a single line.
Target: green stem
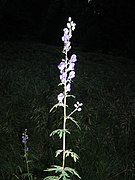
[(64, 134), (27, 164), (65, 117), (72, 113)]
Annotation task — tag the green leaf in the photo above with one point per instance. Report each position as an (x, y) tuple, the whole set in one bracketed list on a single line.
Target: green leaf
[(72, 154), (59, 132), (27, 175), (56, 106), (72, 119), (16, 176), (20, 169), (71, 96), (64, 175), (72, 171), (58, 152), (55, 168), (51, 178)]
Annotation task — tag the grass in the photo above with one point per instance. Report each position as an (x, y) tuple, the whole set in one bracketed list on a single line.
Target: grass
[(28, 89)]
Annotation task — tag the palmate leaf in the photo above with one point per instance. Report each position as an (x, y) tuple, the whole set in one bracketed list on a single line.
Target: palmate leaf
[(72, 154), (72, 171), (59, 132), (72, 119), (63, 173), (57, 169)]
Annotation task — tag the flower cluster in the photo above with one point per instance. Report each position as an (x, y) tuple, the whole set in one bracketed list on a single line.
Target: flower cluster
[(67, 66), (68, 34), (24, 141), (78, 106)]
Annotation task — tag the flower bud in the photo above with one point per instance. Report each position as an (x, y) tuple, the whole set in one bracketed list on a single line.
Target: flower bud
[(79, 109), (69, 19), (68, 25)]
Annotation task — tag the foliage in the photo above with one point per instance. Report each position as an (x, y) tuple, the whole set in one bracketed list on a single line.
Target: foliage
[(106, 85)]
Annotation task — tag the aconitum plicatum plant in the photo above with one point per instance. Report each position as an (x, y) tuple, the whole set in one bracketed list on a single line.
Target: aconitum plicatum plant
[(24, 141), (67, 74)]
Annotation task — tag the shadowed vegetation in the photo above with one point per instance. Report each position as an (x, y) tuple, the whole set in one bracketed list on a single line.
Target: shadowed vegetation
[(28, 89)]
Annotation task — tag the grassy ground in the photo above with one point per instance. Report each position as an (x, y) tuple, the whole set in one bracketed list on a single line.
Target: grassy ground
[(28, 89)]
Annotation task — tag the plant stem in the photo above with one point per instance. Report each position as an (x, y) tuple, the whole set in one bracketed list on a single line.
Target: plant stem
[(27, 165), (64, 134), (65, 117), (72, 113)]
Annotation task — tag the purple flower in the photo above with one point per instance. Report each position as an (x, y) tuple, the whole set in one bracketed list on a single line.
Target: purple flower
[(27, 149), (71, 75), (24, 137), (66, 31), (65, 38), (24, 141), (61, 66), (68, 87), (60, 97), (67, 46), (71, 66), (63, 76), (73, 58)]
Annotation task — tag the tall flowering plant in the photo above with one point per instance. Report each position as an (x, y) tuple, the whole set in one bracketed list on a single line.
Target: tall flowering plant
[(24, 141), (67, 74)]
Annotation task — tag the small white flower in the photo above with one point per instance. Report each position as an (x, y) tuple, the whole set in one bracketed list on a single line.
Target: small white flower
[(73, 25), (79, 109), (80, 104), (69, 25), (65, 30), (77, 106), (69, 19), (73, 28)]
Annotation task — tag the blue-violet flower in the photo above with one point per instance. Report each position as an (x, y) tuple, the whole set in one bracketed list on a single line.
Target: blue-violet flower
[(60, 97)]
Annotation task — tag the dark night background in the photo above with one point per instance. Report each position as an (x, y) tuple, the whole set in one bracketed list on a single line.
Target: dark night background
[(31, 49), (105, 25)]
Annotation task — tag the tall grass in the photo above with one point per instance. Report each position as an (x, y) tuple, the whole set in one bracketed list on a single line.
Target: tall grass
[(28, 81)]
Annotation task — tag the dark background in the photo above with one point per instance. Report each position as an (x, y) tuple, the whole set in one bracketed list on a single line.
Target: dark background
[(31, 49), (104, 25)]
